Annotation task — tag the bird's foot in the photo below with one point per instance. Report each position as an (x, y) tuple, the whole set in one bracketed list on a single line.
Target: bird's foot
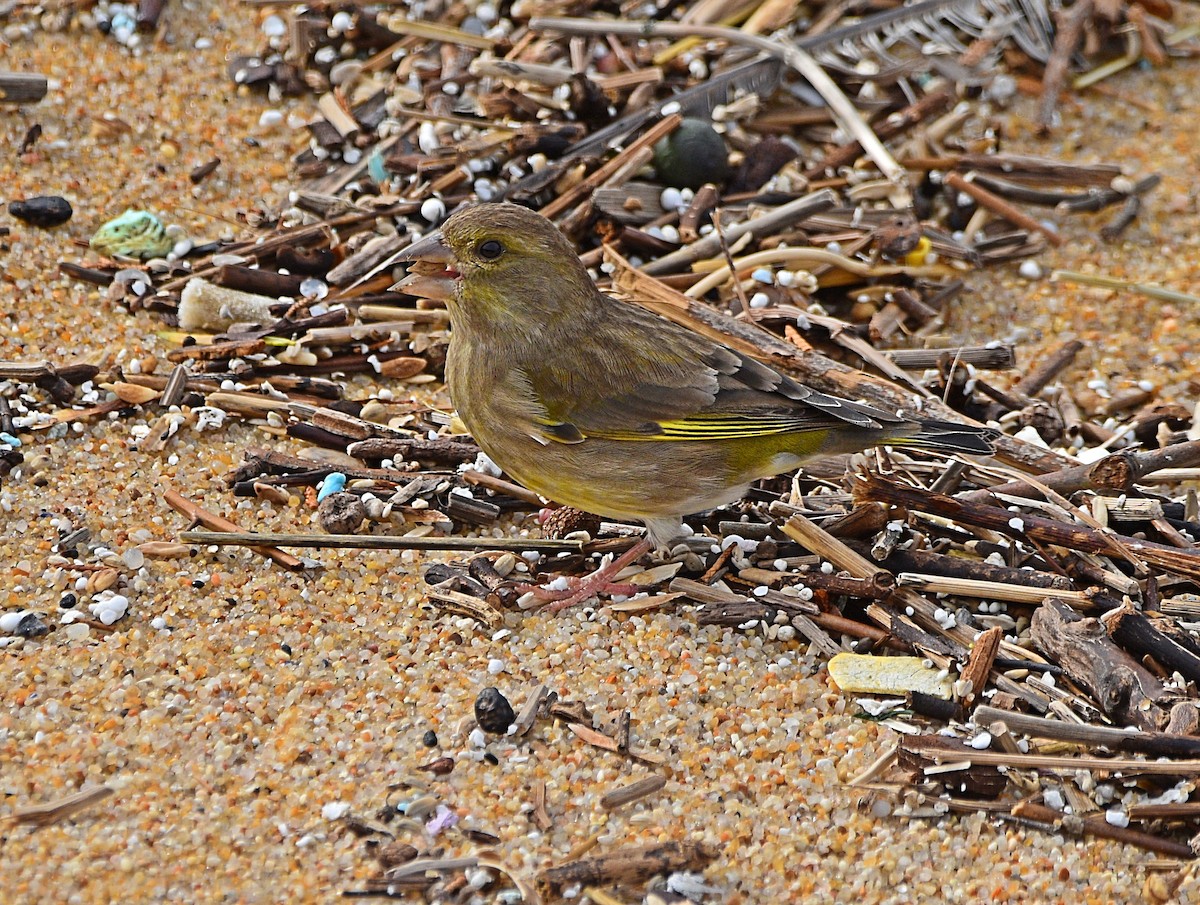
[(579, 590)]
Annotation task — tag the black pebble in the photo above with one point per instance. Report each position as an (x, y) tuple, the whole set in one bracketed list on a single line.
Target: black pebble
[(493, 713), (32, 626), (68, 601), (429, 739), (44, 210)]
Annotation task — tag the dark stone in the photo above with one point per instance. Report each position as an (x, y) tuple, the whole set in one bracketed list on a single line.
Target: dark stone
[(493, 713), (32, 625), (44, 210), (429, 739)]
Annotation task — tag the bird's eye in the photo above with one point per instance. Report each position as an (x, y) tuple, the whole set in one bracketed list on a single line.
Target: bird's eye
[(490, 250)]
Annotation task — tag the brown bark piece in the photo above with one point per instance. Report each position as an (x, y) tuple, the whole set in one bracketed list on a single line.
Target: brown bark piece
[(1126, 691), (1136, 633)]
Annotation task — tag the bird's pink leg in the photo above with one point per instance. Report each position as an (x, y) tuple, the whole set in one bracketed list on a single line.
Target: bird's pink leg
[(598, 582)]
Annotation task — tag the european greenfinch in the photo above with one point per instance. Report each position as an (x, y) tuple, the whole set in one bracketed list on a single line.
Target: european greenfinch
[(601, 405)]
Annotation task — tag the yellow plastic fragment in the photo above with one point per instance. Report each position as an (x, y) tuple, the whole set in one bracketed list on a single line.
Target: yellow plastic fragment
[(865, 674), (917, 256)]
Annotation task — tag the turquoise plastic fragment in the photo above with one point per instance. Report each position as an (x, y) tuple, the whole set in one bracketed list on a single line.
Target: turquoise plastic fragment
[(333, 483), (134, 234)]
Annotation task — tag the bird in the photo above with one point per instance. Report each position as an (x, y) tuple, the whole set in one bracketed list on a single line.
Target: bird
[(602, 405)]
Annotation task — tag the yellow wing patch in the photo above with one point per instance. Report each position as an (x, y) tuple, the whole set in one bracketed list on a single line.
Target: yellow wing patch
[(712, 427)]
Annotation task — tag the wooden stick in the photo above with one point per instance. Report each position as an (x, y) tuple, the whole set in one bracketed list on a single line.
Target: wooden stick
[(769, 222), (22, 87), (647, 140), (1000, 207), (1136, 633), (372, 542), (1119, 472), (1054, 364), (221, 525), (990, 358), (632, 792), (1070, 23), (53, 812), (1155, 744), (1099, 826), (1126, 691), (979, 663), (1035, 527), (931, 748), (989, 590)]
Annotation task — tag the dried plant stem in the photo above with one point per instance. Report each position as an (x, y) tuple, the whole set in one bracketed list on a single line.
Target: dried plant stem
[(1037, 528), (1155, 744), (1118, 472), (806, 256), (800, 60), (53, 812), (581, 189), (1098, 826), (1103, 282), (990, 590), (1000, 207), (222, 527), (371, 542)]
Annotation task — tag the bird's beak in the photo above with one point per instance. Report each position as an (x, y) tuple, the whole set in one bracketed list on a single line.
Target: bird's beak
[(431, 272)]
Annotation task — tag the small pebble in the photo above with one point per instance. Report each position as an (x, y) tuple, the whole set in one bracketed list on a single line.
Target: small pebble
[(433, 210), (45, 211), (493, 713), (341, 513)]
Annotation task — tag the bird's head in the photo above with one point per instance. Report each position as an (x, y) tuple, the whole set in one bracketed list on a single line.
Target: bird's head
[(498, 257)]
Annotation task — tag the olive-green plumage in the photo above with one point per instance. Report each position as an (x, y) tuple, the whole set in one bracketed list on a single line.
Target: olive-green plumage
[(602, 405)]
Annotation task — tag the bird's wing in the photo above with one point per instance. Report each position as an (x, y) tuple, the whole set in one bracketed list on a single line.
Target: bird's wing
[(688, 388)]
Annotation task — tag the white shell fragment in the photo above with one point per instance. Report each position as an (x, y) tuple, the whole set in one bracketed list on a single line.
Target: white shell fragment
[(207, 306)]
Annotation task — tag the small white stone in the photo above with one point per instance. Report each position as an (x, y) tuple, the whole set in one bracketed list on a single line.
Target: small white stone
[(1116, 817), (495, 666), (77, 631), (1017, 524), (433, 210), (982, 741), (335, 810), (1030, 270), (759, 300)]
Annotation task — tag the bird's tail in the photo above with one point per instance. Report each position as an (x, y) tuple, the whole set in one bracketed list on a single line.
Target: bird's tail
[(950, 437)]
